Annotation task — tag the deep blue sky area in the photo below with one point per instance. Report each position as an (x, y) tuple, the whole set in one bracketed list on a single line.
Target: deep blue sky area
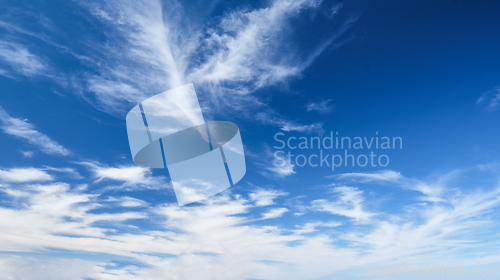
[(415, 72)]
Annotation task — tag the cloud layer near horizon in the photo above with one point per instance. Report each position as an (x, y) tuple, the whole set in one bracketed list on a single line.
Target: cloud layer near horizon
[(175, 242)]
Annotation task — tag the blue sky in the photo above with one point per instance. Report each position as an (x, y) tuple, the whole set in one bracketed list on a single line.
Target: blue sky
[(74, 206)]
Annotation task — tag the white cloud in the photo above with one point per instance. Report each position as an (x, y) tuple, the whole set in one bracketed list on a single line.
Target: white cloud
[(26, 131), (21, 175), (28, 154), (441, 226), (50, 214), (31, 268), (242, 48), (265, 197), (158, 46), (384, 175), (433, 190), (284, 170), (238, 49), (67, 170), (221, 233), (348, 202), (127, 201), (152, 38), (312, 227), (274, 213), (154, 46), (322, 107), (21, 60), (309, 128), (127, 175), (273, 166), (270, 118), (4, 73), (490, 99), (130, 174)]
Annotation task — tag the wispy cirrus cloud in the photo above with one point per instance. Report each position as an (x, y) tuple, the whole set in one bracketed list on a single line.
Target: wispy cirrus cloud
[(265, 197), (168, 43), (281, 171), (271, 118), (27, 154), (490, 100), (157, 45), (433, 190), (25, 130), (273, 166), (127, 201), (322, 107), (312, 227), (384, 175), (348, 202), (245, 46), (20, 60), (153, 46)]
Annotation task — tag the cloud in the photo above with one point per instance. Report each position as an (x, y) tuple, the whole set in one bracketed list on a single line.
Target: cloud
[(490, 100), (271, 118), (322, 107), (283, 170), (274, 213), (50, 214), (128, 176), (28, 154), (173, 242), (273, 166), (131, 174), (127, 201), (348, 203), (265, 197), (433, 190), (445, 221), (241, 48), (26, 131), (384, 175), (67, 170), (153, 46), (22, 175), (21, 60), (31, 268), (312, 227), (139, 57), (238, 49), (441, 226)]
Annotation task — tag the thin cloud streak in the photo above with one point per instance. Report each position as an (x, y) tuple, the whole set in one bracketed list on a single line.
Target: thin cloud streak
[(23, 129), (490, 100), (322, 107), (20, 60)]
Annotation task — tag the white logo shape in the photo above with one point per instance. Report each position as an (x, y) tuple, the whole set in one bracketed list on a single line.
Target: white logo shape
[(168, 131)]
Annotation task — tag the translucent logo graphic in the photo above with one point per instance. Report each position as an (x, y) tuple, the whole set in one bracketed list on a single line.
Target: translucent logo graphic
[(168, 131)]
